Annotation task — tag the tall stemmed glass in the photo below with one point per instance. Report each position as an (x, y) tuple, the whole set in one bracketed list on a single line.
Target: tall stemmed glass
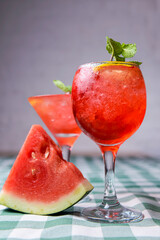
[(56, 112), (109, 104)]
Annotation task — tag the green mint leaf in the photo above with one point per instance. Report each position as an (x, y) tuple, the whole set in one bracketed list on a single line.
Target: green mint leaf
[(129, 50), (116, 46), (120, 52), (136, 62), (118, 58), (113, 47), (69, 89), (62, 86), (109, 47)]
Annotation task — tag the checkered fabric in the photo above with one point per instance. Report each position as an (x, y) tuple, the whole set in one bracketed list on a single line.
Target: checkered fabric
[(137, 185)]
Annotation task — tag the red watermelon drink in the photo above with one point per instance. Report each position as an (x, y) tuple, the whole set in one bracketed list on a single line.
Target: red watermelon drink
[(56, 113), (109, 101), (109, 104)]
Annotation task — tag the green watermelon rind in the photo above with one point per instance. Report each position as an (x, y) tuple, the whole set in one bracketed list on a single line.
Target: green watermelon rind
[(18, 203)]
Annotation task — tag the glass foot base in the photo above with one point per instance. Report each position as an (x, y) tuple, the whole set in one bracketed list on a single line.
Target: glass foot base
[(114, 215)]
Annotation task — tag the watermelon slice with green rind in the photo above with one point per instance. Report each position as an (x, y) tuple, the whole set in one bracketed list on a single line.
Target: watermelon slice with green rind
[(40, 181)]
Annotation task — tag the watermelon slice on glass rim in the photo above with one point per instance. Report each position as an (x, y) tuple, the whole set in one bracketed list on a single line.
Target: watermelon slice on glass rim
[(40, 181)]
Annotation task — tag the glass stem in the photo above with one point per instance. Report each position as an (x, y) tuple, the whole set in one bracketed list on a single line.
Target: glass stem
[(110, 199), (66, 152)]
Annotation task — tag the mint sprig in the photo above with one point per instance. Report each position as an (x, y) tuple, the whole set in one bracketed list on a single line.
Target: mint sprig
[(62, 86), (120, 52)]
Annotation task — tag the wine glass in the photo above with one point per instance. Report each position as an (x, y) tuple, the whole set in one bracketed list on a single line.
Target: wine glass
[(56, 112), (109, 104)]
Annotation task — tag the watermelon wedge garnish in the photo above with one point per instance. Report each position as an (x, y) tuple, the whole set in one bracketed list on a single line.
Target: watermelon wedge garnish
[(40, 181)]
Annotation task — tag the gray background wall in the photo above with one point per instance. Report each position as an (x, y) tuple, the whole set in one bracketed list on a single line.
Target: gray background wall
[(45, 40)]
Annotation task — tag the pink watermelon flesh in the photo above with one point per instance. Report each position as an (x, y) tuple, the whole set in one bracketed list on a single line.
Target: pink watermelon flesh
[(40, 181)]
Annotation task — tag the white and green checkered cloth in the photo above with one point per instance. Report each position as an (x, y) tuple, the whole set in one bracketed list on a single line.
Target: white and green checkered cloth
[(137, 185)]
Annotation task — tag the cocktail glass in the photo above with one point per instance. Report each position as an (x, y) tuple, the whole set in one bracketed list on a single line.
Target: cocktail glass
[(109, 104), (56, 112)]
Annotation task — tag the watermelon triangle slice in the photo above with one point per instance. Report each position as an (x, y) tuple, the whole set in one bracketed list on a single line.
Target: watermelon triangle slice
[(40, 181)]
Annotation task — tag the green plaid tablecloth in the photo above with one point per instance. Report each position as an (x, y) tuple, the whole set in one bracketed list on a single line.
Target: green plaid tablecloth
[(137, 185)]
